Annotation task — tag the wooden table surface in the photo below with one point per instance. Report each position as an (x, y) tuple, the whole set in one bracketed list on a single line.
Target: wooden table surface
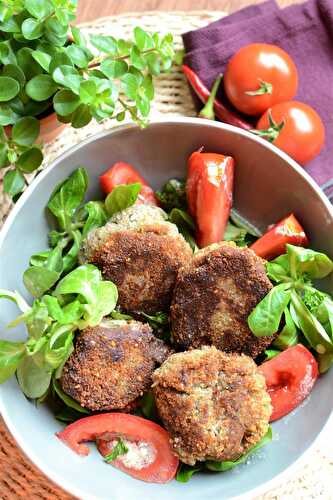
[(91, 9)]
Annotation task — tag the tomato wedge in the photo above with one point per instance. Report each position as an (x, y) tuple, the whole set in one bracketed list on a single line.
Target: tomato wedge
[(290, 377), (124, 173), (209, 189), (107, 427), (273, 243)]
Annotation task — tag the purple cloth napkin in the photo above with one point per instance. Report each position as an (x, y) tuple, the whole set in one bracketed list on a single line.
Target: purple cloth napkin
[(305, 31)]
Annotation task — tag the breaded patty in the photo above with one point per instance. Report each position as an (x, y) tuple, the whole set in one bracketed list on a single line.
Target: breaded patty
[(141, 253), (112, 365), (214, 296), (214, 405)]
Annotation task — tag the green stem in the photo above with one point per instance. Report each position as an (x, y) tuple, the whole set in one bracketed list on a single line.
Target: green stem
[(272, 132), (208, 109), (99, 60), (264, 88)]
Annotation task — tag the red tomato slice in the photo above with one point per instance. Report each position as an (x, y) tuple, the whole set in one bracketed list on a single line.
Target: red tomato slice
[(273, 243), (123, 173), (209, 188), (109, 426), (290, 377)]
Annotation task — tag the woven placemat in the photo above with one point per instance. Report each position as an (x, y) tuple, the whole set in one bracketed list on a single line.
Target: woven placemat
[(18, 477)]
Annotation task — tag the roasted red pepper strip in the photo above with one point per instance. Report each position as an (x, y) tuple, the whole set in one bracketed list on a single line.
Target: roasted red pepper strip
[(290, 377), (107, 427), (222, 113), (124, 173), (209, 193), (273, 243)]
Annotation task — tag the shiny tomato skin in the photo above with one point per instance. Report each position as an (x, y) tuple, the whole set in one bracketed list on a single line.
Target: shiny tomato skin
[(124, 173), (303, 133), (108, 426), (209, 188), (260, 62), (273, 242), (290, 377)]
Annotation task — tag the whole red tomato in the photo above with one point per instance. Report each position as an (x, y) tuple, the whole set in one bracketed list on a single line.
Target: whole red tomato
[(295, 128), (259, 76)]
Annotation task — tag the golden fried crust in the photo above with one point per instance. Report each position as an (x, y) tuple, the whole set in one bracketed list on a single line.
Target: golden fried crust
[(111, 367), (213, 298), (143, 264), (214, 405)]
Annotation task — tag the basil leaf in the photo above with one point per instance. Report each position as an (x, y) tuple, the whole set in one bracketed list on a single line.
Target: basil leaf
[(266, 316), (70, 402), (97, 216), (38, 280), (227, 465), (67, 197), (185, 472), (288, 336), (34, 380), (312, 329), (121, 197), (119, 449), (68, 415), (11, 353), (306, 261)]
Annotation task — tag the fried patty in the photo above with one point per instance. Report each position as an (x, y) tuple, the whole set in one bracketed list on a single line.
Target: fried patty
[(112, 365), (214, 405), (141, 253), (214, 296)]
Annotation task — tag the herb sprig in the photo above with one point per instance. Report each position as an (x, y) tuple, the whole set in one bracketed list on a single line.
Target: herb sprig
[(307, 312), (47, 65)]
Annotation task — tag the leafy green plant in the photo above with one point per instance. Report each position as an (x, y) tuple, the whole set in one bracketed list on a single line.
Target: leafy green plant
[(47, 65), (307, 312)]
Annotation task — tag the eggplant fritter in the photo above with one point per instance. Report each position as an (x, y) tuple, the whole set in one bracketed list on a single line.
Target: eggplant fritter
[(141, 253), (214, 405), (213, 298), (112, 365)]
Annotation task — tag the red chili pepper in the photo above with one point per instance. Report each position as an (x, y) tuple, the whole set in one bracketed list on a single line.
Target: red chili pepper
[(273, 243), (224, 114)]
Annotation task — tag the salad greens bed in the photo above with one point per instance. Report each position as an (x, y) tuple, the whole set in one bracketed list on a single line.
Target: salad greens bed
[(69, 297)]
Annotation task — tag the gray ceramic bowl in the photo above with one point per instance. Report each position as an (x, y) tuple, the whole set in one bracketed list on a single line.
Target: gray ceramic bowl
[(268, 186)]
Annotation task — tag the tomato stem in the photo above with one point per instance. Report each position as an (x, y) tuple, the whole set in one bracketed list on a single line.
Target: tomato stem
[(264, 88), (273, 131), (208, 109)]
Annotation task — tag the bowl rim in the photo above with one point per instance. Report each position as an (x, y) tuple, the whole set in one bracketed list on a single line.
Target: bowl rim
[(58, 480)]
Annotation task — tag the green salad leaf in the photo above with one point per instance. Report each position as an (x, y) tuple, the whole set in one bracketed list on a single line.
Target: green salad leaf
[(68, 196), (81, 298), (185, 224), (172, 195), (121, 197), (307, 312), (266, 316)]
